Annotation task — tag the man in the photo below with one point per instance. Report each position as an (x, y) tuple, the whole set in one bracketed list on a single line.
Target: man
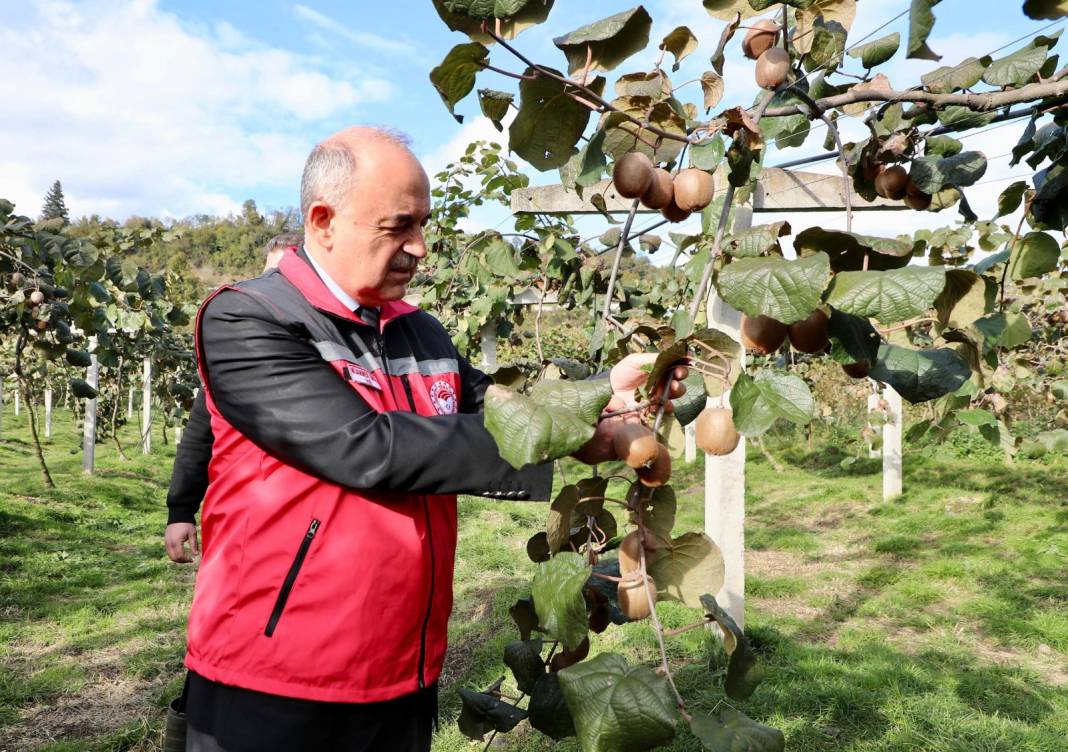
[(189, 477), (344, 423)]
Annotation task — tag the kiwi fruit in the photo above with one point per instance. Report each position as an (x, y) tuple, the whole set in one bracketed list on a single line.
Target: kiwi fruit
[(892, 182), (660, 191), (760, 38), (858, 370), (37, 297), (630, 553), (772, 68), (632, 174), (693, 189), (763, 334), (809, 335), (633, 601), (18, 279), (915, 198), (635, 444), (715, 431), (659, 472), (672, 212)]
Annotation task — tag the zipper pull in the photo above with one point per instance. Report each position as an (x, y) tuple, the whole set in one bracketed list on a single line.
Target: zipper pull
[(312, 529)]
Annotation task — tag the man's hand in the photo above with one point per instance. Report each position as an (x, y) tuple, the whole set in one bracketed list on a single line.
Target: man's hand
[(175, 536), (626, 376)]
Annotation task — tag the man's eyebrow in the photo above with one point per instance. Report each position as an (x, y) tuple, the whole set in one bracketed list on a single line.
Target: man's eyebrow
[(402, 219)]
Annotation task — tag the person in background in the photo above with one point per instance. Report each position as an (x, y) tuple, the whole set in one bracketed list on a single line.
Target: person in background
[(189, 477)]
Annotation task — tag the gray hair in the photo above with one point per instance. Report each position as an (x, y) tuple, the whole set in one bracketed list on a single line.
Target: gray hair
[(283, 241), (330, 172)]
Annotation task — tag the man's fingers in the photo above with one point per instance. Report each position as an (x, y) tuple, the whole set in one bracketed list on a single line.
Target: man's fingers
[(194, 543), (680, 373)]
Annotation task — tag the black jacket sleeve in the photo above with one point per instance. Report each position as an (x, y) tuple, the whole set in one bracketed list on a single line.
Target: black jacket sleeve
[(189, 478), (275, 388)]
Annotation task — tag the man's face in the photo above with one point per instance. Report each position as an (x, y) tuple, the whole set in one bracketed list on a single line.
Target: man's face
[(376, 235)]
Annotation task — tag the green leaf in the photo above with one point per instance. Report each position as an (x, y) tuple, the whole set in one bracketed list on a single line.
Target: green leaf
[(482, 713), (499, 258), (921, 21), (877, 51), (967, 296), (786, 290), (744, 672), (558, 598), (828, 44), (977, 418), (1035, 254), (455, 76), (1007, 330), (659, 508), (524, 616), (1045, 9), (81, 389), (889, 297), (494, 105), (732, 731), (1016, 69), (931, 174), (920, 375), (619, 708), (991, 261), (950, 78), (707, 154), (549, 122), (523, 657), (548, 711), (78, 358), (1011, 198), (855, 335), (620, 132), (961, 118), (558, 526), (757, 402), (725, 10), (942, 146), (847, 250), (587, 165), (680, 42), (692, 566), (610, 40), (757, 241)]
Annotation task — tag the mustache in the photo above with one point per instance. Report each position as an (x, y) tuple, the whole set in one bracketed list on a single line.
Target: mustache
[(403, 262)]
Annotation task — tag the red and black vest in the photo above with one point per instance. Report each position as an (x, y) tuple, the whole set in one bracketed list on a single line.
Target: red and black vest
[(306, 588)]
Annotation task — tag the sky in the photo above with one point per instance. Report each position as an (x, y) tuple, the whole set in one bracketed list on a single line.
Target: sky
[(174, 108)]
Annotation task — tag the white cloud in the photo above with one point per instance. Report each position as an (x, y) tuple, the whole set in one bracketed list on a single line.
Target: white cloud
[(361, 38), (136, 111)]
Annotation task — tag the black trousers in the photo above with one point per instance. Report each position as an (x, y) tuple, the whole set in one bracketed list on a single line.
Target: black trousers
[(231, 719)]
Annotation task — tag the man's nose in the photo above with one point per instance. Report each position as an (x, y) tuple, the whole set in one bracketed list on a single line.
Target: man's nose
[(416, 245)]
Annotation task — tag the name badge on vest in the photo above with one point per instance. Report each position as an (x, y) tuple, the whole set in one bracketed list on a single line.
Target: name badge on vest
[(361, 375)]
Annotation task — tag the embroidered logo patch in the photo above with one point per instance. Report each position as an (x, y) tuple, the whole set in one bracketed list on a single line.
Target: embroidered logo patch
[(361, 375), (443, 397)]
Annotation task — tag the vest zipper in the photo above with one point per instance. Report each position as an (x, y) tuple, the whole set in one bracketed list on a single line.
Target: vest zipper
[(430, 542), (291, 578)]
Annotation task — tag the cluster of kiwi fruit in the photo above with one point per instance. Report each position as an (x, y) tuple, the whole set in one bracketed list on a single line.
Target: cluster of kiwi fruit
[(17, 281), (637, 446), (772, 62), (893, 182), (635, 176), (765, 335)]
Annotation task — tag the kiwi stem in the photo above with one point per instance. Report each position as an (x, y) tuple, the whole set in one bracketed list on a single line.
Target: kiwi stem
[(684, 630), (615, 267), (1012, 247), (503, 72), (636, 409), (657, 627), (664, 399)]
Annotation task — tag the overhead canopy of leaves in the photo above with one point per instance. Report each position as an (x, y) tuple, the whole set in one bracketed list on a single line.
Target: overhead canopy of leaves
[(949, 78), (467, 16), (731, 730), (619, 707), (1045, 9), (1017, 68), (608, 42), (691, 567), (621, 134), (877, 51), (837, 19), (888, 297), (757, 402), (921, 21), (846, 249), (1035, 254), (455, 76), (828, 43), (555, 420), (652, 84), (558, 598), (549, 122), (727, 10), (786, 290), (932, 174), (920, 375)]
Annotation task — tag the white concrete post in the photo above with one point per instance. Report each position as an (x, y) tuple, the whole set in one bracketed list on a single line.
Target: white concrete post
[(129, 404), (488, 336), (89, 423), (892, 444), (48, 413), (725, 476), (690, 432), (1, 405), (146, 408), (16, 402)]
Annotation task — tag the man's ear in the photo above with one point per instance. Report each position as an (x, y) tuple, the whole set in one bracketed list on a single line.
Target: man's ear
[(320, 224)]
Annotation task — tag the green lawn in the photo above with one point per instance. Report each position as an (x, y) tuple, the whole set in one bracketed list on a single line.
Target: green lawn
[(936, 622)]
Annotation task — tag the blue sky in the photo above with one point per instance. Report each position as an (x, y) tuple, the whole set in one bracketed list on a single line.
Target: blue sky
[(179, 107)]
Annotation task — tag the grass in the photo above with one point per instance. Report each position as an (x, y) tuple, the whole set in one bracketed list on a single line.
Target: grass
[(938, 621)]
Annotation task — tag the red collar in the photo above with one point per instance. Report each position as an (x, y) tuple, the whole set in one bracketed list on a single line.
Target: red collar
[(301, 274)]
